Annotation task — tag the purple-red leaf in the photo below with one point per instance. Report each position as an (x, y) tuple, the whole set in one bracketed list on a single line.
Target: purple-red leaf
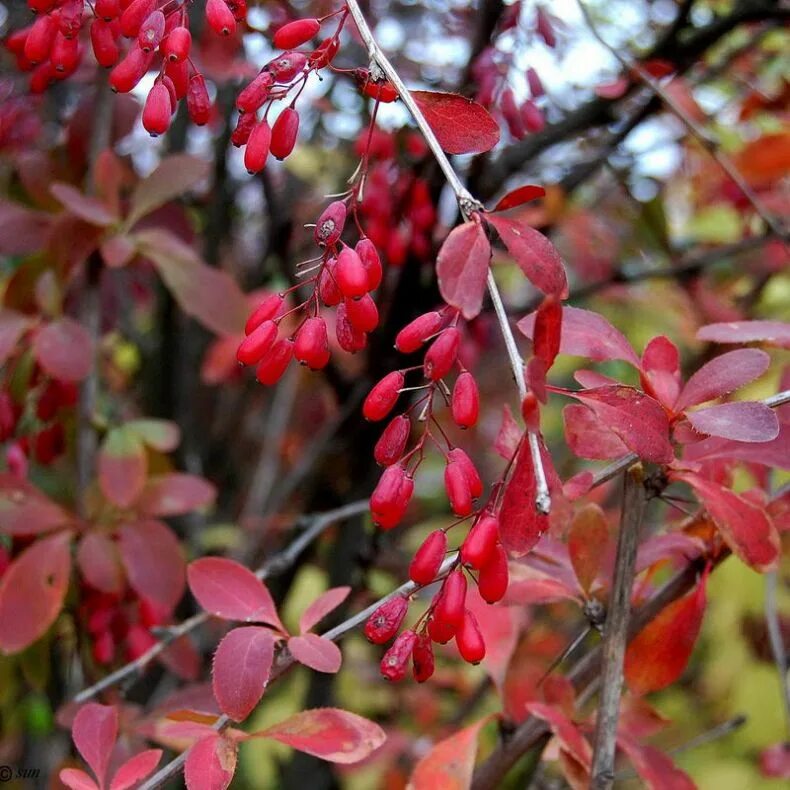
[(535, 255), (241, 670), (518, 197), (588, 437), (24, 510), (77, 779), (329, 733), (94, 732), (100, 563), (90, 209), (123, 466), (587, 334), (175, 494), (135, 769), (316, 652), (775, 333), (211, 763), (32, 591), (462, 267), (658, 771), (64, 348), (322, 606), (722, 375), (742, 421), (566, 732), (461, 125), (509, 435), (229, 590), (774, 453)]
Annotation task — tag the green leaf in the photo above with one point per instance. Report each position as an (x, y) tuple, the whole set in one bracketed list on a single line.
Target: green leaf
[(161, 435)]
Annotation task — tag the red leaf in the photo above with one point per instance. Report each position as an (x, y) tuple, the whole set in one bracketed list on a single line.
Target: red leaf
[(520, 524), (462, 267), (24, 510), (537, 589), (535, 255), (743, 421), (99, 563), (22, 229), (588, 437), (566, 732), (175, 494), (135, 769), (12, 326), (775, 761), (776, 333), (461, 125), (588, 543), (211, 763), (329, 733), (123, 466), (547, 331), (657, 656), (228, 590), (518, 197), (723, 375), (658, 771), (509, 435), (77, 779), (587, 334), (612, 90), (449, 764), (746, 528), (94, 732), (64, 348), (636, 418), (241, 670), (322, 606), (660, 371), (775, 453), (91, 209), (316, 652), (32, 591), (154, 561)]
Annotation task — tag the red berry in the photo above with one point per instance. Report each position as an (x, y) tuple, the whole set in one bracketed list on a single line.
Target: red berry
[(383, 396), (449, 607), (257, 151), (107, 9), (465, 402), (255, 93), (70, 17), (396, 659), (252, 349), (311, 344), (284, 133), (535, 84), (220, 18), (439, 631), (65, 55), (370, 261), (158, 110), (138, 641), (198, 102), (349, 337), (178, 72), (391, 496), (383, 91), (330, 224), (328, 291), (385, 622), (8, 415), (392, 442), (422, 658), (134, 15), (362, 313), (493, 578), (532, 117), (285, 67), (324, 53), (275, 362), (40, 38), (295, 33), (351, 275), (457, 487), (177, 44), (103, 648), (130, 69), (530, 411), (49, 444), (544, 28), (428, 558), (441, 356), (105, 47), (152, 613), (414, 334), (469, 640), (479, 545), (152, 31), (244, 127), (265, 311), (457, 455)]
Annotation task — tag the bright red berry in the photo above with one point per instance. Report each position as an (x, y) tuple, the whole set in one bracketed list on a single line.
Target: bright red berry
[(415, 333), (105, 47), (130, 69), (330, 224), (493, 578), (178, 72), (107, 9), (152, 31), (134, 15), (328, 292), (535, 84), (64, 55), (220, 18), (177, 45), (532, 117), (457, 455), (255, 93), (103, 648), (275, 362), (198, 102), (257, 343), (265, 311), (349, 337), (383, 396), (351, 275), (465, 403), (244, 127), (396, 659), (391, 496), (386, 621), (449, 607), (457, 487), (479, 545), (392, 442), (311, 344), (285, 67), (441, 356), (284, 133), (371, 261), (440, 631), (295, 33), (257, 151), (158, 110), (362, 313), (40, 38), (428, 558), (422, 658), (469, 640)]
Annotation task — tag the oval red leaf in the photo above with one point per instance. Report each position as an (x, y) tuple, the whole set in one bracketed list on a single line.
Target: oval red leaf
[(94, 731), (211, 763), (462, 267), (100, 563), (776, 333), (175, 494), (135, 769), (123, 466), (520, 196), (24, 510), (322, 606), (316, 652), (64, 348), (461, 125), (449, 764), (744, 421)]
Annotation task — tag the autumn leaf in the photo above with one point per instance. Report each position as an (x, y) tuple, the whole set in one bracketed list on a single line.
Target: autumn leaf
[(64, 348), (461, 125), (518, 197), (462, 268)]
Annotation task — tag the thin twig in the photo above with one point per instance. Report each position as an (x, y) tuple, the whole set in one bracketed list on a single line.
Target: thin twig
[(616, 629), (777, 642)]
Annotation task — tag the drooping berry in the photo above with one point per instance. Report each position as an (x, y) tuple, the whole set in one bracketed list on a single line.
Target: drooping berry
[(422, 658), (457, 488), (479, 545), (284, 133), (544, 27), (512, 115), (105, 47), (450, 605), (40, 38), (493, 578), (371, 261), (285, 67), (152, 31), (130, 69), (255, 93), (391, 496), (348, 336), (352, 278), (257, 343), (532, 117), (362, 313), (392, 442), (386, 621), (311, 344), (440, 631), (265, 311), (134, 15), (275, 361), (158, 110), (535, 84), (457, 455), (244, 126), (220, 18), (64, 55), (330, 224), (328, 292), (383, 396), (469, 640), (415, 333), (107, 9), (257, 151), (178, 72), (296, 33), (428, 558), (177, 45), (198, 102), (441, 356), (465, 403), (396, 659)]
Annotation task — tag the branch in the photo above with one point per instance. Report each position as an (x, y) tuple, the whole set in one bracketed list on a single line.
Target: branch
[(381, 66), (777, 642), (616, 630)]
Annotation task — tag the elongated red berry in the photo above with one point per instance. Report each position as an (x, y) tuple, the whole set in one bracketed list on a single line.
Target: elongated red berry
[(244, 126), (362, 313), (348, 336), (386, 621), (70, 17), (352, 278), (465, 402), (105, 47), (324, 53), (198, 102), (134, 15), (441, 356), (457, 487), (511, 114), (157, 110), (371, 262), (383, 396), (415, 333), (392, 442), (284, 133), (107, 9), (295, 33), (257, 151), (255, 93), (457, 455), (178, 72), (391, 496), (535, 84), (422, 658), (383, 91), (285, 67), (440, 631), (493, 578), (396, 659), (130, 69), (40, 6), (220, 18), (64, 54), (40, 38), (257, 343), (42, 77), (330, 224), (328, 291), (450, 605), (265, 311), (479, 545), (469, 640), (275, 362), (544, 28), (532, 116), (311, 344), (152, 31), (428, 558), (177, 44)]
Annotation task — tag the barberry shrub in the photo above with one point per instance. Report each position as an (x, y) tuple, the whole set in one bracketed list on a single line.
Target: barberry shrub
[(511, 499)]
